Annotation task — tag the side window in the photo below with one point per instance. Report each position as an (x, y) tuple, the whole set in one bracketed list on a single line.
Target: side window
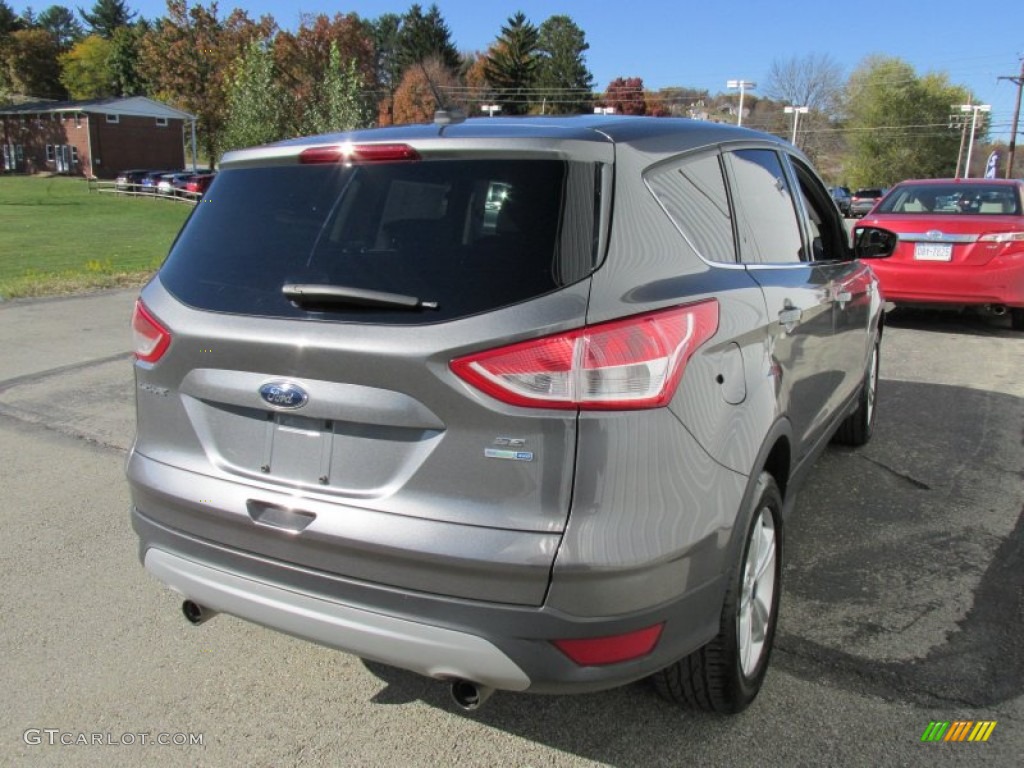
[(827, 234), (766, 214), (692, 192)]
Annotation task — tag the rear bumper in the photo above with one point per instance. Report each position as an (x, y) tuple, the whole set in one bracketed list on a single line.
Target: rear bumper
[(994, 283), (503, 646)]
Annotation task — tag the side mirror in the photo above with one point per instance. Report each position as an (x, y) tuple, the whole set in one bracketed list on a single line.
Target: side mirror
[(873, 243)]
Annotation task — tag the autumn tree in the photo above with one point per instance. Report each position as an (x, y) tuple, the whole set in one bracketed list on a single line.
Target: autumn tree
[(85, 69), (512, 64), (62, 25), (424, 36), (562, 70), (415, 100), (107, 15), (304, 59), (626, 96), (28, 64), (188, 56), (901, 123)]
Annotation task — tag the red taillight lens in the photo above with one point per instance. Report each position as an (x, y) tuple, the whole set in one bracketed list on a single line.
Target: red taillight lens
[(597, 651), (151, 338), (359, 153), (624, 364)]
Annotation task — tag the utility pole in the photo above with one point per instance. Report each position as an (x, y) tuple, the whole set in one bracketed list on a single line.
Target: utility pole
[(1019, 81)]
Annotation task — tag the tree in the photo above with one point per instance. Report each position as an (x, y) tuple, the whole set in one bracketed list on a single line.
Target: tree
[(626, 96), (899, 123), (85, 69), (126, 79), (28, 64), (61, 23), (188, 56), (385, 32), (255, 100), (512, 64), (562, 71), (304, 59), (415, 101), (9, 20), (341, 104), (106, 16), (814, 81), (421, 37)]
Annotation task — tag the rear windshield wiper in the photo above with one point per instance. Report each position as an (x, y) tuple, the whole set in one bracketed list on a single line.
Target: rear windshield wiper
[(312, 293)]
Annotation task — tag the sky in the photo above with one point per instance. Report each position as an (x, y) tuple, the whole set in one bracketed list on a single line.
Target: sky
[(702, 43)]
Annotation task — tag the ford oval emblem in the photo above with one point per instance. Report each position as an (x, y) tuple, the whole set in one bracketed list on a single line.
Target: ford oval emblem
[(284, 394), (934, 234)]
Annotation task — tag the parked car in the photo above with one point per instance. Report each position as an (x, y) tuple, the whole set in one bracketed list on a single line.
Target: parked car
[(197, 184), (129, 181), (863, 200), (960, 243), (170, 183), (148, 181), (843, 198), (548, 450)]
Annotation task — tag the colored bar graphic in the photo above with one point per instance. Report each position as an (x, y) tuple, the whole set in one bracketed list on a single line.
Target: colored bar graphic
[(958, 730), (935, 731)]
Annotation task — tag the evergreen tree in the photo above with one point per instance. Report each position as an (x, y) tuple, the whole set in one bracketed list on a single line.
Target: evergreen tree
[(106, 16), (61, 23), (9, 20), (562, 71), (512, 64), (424, 36), (126, 80)]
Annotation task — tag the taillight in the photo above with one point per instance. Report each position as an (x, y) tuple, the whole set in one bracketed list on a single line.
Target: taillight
[(358, 153), (613, 649), (1002, 237), (151, 338), (631, 363)]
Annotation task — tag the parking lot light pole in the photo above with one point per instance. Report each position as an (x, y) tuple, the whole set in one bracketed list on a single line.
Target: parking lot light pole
[(975, 108), (795, 112), (744, 86), (490, 109)]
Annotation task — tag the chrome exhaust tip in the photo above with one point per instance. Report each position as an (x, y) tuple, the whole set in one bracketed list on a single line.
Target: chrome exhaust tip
[(470, 696)]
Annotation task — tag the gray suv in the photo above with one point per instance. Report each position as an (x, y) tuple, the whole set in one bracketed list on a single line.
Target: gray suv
[(514, 404)]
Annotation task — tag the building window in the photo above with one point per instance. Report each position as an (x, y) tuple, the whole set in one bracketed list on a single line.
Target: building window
[(113, 118), (19, 152), (78, 120), (161, 122), (74, 154), (49, 153)]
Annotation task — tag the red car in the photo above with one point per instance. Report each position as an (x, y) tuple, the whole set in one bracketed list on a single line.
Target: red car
[(959, 242), (199, 183)]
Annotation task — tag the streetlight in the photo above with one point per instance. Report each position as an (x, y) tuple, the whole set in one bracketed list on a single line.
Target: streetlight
[(975, 108), (604, 110), (795, 112), (743, 85), (490, 109)]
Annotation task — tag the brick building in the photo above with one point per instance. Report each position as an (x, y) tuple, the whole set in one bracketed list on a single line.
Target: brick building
[(93, 138)]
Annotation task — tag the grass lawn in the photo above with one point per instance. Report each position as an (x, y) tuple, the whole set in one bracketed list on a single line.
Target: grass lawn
[(57, 237)]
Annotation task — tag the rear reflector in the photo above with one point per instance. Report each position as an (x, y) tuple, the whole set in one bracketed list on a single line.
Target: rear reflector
[(151, 338), (635, 362), (359, 153), (597, 651)]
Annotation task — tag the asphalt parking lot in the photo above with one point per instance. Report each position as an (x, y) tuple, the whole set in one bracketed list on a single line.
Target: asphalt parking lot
[(903, 597)]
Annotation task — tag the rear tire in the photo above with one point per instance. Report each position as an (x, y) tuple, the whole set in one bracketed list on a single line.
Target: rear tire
[(726, 674), (858, 427)]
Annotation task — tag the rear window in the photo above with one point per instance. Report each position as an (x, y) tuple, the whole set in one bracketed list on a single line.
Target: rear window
[(468, 235), (954, 199)]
